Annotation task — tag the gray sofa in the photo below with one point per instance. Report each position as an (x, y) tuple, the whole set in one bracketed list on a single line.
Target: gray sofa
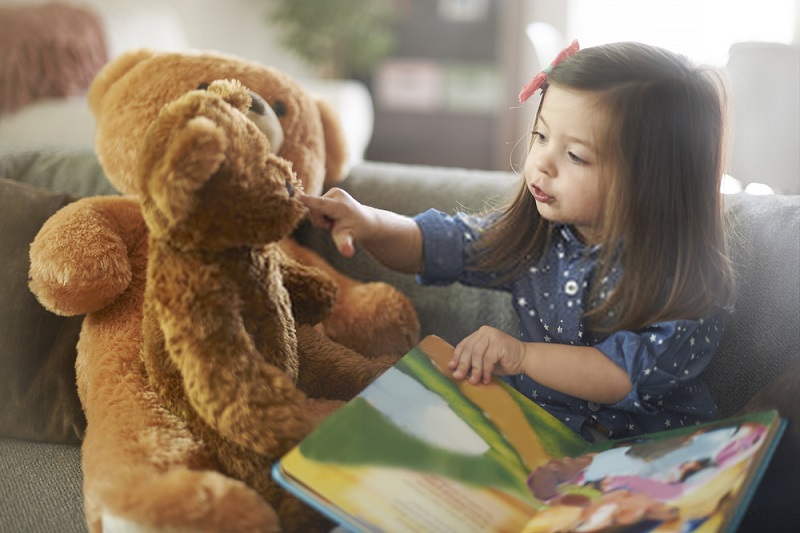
[(41, 423)]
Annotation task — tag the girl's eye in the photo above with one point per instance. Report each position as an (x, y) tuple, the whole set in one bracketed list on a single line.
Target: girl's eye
[(539, 137), (575, 159)]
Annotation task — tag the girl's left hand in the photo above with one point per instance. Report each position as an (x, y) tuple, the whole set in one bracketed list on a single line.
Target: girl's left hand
[(484, 352)]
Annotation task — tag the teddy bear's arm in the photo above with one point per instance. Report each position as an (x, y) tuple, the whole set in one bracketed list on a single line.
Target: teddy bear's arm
[(232, 386), (312, 293), (371, 318), (79, 260)]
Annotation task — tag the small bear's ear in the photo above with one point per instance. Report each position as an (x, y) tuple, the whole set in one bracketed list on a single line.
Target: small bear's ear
[(335, 144), (112, 72), (186, 155)]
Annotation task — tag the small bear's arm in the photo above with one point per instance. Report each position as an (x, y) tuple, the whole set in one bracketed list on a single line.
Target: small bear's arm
[(79, 260), (240, 392), (312, 292)]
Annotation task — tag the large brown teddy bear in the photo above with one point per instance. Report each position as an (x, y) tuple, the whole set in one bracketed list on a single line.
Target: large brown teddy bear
[(142, 465)]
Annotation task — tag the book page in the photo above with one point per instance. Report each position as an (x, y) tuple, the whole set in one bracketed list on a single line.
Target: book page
[(699, 478), (419, 451)]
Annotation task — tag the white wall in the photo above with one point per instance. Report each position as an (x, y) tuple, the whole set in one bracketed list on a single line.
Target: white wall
[(238, 27)]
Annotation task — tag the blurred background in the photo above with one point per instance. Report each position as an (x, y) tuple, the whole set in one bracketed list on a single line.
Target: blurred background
[(436, 81)]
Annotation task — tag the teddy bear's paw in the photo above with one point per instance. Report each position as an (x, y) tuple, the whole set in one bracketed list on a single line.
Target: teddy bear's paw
[(374, 319), (189, 500), (262, 411), (78, 263), (74, 291)]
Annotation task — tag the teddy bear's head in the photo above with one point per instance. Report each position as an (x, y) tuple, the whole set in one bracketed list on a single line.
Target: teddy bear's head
[(127, 95), (207, 177)]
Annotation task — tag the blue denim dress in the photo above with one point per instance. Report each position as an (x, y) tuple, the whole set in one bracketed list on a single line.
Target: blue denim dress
[(663, 360)]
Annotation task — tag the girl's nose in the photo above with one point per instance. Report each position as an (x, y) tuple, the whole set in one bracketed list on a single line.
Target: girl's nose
[(541, 157)]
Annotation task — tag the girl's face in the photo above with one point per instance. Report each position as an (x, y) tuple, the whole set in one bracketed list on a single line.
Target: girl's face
[(562, 169)]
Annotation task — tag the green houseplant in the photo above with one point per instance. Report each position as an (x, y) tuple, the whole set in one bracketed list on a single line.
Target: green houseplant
[(341, 38)]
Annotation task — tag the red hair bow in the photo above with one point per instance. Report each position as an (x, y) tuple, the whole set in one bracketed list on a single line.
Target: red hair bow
[(537, 81)]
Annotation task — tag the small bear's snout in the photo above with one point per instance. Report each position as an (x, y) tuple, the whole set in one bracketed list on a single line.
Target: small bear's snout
[(257, 105)]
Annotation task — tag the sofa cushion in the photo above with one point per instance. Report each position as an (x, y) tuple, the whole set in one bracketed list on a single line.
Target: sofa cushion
[(38, 395), (762, 336), (40, 487), (71, 170)]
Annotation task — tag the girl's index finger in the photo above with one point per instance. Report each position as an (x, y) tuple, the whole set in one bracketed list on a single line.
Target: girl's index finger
[(312, 202), (320, 214)]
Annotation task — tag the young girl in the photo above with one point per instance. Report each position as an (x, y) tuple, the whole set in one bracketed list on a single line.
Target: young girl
[(613, 248)]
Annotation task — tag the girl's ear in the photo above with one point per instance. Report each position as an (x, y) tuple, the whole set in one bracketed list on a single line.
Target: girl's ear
[(335, 144)]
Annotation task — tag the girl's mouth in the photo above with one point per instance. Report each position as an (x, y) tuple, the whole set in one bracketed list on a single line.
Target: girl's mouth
[(541, 196)]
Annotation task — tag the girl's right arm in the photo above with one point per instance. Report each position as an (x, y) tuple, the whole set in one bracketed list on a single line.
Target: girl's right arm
[(393, 239), (580, 371)]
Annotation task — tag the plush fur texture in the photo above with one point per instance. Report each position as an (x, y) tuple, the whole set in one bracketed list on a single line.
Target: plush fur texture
[(163, 449)]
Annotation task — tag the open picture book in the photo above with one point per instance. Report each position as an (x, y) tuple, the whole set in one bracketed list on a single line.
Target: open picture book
[(420, 451)]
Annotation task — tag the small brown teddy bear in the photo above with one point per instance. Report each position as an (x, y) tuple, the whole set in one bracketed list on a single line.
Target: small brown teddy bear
[(143, 467), (220, 343)]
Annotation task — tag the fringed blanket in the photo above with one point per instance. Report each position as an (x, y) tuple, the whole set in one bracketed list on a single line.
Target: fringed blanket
[(46, 51)]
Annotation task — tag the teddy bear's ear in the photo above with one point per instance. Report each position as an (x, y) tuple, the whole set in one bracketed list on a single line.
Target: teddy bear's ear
[(113, 71), (335, 144), (186, 153)]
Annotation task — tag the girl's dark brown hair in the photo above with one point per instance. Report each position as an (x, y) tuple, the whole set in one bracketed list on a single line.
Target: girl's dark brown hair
[(662, 163)]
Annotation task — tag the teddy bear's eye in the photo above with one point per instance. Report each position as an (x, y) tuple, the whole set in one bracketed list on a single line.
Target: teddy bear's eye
[(202, 87), (279, 108)]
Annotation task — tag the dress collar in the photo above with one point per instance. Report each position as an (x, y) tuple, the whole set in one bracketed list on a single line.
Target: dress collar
[(572, 243)]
